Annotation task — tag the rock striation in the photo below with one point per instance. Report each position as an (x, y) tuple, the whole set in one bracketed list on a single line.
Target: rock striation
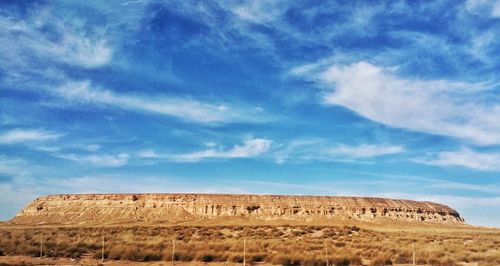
[(174, 208)]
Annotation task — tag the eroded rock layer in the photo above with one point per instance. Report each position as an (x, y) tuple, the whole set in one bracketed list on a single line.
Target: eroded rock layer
[(172, 208)]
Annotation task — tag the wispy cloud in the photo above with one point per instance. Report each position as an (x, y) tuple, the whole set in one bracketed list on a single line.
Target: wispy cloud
[(189, 109), (100, 160), (259, 11), (298, 150), (481, 7), (27, 135), (464, 158), (323, 150), (11, 166), (364, 150), (450, 185), (490, 188), (437, 107), (250, 148), (45, 36), (275, 15), (149, 154)]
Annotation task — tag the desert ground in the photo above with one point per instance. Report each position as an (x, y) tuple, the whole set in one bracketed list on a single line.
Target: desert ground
[(278, 243)]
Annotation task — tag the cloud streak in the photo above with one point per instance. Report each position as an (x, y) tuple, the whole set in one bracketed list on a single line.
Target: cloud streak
[(99, 160), (464, 158), (322, 150), (480, 7), (250, 148), (45, 36), (187, 109), (27, 135), (437, 107), (364, 150)]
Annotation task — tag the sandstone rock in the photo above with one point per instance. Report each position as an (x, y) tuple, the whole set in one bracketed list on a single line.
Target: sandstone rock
[(172, 208)]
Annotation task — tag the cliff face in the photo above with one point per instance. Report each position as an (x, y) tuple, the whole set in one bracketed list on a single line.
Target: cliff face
[(171, 208)]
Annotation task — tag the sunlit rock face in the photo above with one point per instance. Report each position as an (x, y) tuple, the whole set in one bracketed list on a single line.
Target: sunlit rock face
[(174, 208)]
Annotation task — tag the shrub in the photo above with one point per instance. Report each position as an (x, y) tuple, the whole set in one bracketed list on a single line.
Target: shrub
[(402, 259), (236, 258), (207, 257), (32, 251), (115, 253), (381, 261), (355, 260), (447, 262), (183, 256), (150, 254), (341, 262), (97, 255), (339, 244), (133, 255), (256, 257), (75, 252), (153, 243), (285, 260)]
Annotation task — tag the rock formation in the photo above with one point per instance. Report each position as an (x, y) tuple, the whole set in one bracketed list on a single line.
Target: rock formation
[(173, 208)]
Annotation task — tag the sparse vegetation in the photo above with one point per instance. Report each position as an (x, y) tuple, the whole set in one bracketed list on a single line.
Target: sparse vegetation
[(283, 245)]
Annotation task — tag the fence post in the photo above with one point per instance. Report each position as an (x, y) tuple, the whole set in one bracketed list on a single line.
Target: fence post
[(173, 252), (413, 245), (102, 251), (326, 253), (244, 252)]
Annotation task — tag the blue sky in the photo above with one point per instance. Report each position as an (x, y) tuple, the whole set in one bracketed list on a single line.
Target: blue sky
[(400, 99)]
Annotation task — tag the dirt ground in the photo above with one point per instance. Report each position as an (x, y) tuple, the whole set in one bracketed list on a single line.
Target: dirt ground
[(26, 260)]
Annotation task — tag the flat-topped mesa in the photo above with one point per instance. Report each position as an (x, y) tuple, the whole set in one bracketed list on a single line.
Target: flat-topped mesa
[(173, 208)]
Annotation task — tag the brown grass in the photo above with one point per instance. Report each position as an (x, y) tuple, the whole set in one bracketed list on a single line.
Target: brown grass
[(284, 245)]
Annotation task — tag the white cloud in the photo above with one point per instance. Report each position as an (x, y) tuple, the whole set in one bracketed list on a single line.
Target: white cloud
[(483, 7), (91, 147), (25, 40), (27, 135), (314, 149), (426, 182), (465, 158), (273, 14), (47, 148), (149, 154), (298, 150), (250, 148), (12, 166), (496, 9), (437, 107), (302, 149), (364, 150), (172, 106), (100, 160), (259, 11), (487, 188)]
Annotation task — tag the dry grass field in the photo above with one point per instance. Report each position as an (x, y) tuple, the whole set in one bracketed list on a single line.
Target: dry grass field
[(270, 244)]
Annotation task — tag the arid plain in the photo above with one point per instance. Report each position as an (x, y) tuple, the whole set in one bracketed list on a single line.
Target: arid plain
[(159, 229)]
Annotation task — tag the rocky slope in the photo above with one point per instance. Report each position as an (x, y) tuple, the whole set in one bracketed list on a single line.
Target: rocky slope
[(172, 208)]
